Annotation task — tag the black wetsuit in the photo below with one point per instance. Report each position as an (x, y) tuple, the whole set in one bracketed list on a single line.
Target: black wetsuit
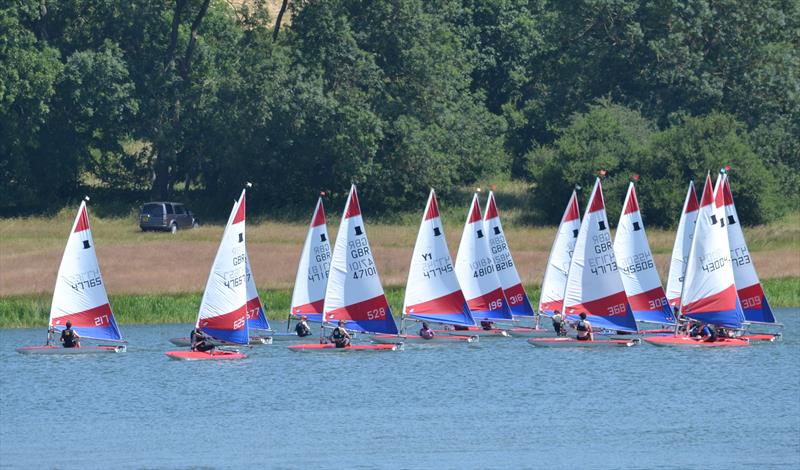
[(302, 329), (340, 338), (69, 338), (201, 341)]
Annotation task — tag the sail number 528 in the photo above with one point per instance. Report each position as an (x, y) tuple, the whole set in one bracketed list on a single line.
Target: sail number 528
[(377, 314)]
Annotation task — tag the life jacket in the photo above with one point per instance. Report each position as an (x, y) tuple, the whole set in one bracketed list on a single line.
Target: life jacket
[(426, 333), (302, 329), (582, 326), (339, 337), (69, 338), (712, 336)]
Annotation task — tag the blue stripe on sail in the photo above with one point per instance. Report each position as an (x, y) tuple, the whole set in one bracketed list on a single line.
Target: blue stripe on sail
[(110, 332), (259, 323), (523, 310), (661, 316), (386, 325), (463, 318), (315, 317), (231, 336), (625, 322), (763, 314), (727, 318), (502, 314)]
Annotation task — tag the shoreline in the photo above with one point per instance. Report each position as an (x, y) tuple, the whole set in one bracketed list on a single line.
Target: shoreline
[(32, 310)]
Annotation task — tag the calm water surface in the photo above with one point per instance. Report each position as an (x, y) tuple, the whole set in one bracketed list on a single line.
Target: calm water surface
[(503, 404)]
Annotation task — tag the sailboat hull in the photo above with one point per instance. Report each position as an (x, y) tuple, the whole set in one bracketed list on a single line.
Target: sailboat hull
[(761, 337), (686, 341), (524, 332), (205, 356), (438, 339), (562, 342), (254, 340), (475, 331), (58, 350), (353, 347)]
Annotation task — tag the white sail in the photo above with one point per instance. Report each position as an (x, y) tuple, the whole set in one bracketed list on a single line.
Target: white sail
[(476, 271), (680, 250), (354, 292), (308, 296), (80, 295), (555, 275), (504, 265), (223, 310)]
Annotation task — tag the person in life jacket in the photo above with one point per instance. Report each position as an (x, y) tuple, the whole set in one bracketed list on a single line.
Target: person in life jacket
[(302, 329), (558, 324), (584, 329), (426, 332), (486, 324), (340, 337), (200, 341), (69, 338)]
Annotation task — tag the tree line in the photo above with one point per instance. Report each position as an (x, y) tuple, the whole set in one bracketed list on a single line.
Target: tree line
[(187, 99)]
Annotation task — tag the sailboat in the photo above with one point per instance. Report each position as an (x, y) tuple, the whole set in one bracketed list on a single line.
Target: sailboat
[(594, 285), (755, 306), (514, 292), (680, 251), (709, 292), (80, 297), (555, 274), (432, 292), (308, 296), (637, 268), (223, 310), (354, 292), (477, 275)]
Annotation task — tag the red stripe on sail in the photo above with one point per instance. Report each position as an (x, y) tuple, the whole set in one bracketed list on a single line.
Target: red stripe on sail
[(313, 307), (692, 205), (719, 200), (253, 308), (611, 306), (633, 204), (719, 302), (234, 320), (651, 300), (432, 211), (474, 211), (353, 208), (572, 213), (83, 221), (319, 215), (676, 302), (375, 308), (515, 295), (708, 193), (490, 301), (553, 305), (446, 304), (752, 297), (726, 193), (491, 208), (96, 317), (597, 203), (239, 217)]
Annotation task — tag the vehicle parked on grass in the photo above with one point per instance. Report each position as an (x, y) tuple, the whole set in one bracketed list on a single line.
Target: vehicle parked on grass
[(167, 216)]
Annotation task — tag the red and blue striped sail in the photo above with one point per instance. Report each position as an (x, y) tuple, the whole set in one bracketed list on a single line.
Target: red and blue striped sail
[(476, 271), (554, 282), (256, 318), (709, 292), (637, 267), (80, 295), (432, 291), (354, 292), (594, 285), (748, 286), (516, 297), (308, 296), (223, 310)]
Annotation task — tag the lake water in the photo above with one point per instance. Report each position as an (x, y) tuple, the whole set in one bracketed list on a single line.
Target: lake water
[(503, 404)]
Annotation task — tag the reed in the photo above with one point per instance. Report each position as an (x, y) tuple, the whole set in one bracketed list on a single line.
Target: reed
[(32, 311)]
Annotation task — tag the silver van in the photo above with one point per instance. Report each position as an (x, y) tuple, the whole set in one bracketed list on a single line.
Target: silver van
[(169, 216)]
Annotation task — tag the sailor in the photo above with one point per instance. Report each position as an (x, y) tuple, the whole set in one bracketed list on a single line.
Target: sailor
[(486, 324), (200, 341), (302, 329), (584, 329), (558, 324), (69, 338), (340, 336), (426, 332)]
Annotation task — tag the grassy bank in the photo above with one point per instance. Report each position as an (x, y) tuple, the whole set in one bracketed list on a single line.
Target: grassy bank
[(33, 310)]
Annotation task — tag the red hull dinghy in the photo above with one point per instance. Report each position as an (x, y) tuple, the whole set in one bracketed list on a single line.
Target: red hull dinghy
[(353, 347), (574, 343), (695, 342)]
